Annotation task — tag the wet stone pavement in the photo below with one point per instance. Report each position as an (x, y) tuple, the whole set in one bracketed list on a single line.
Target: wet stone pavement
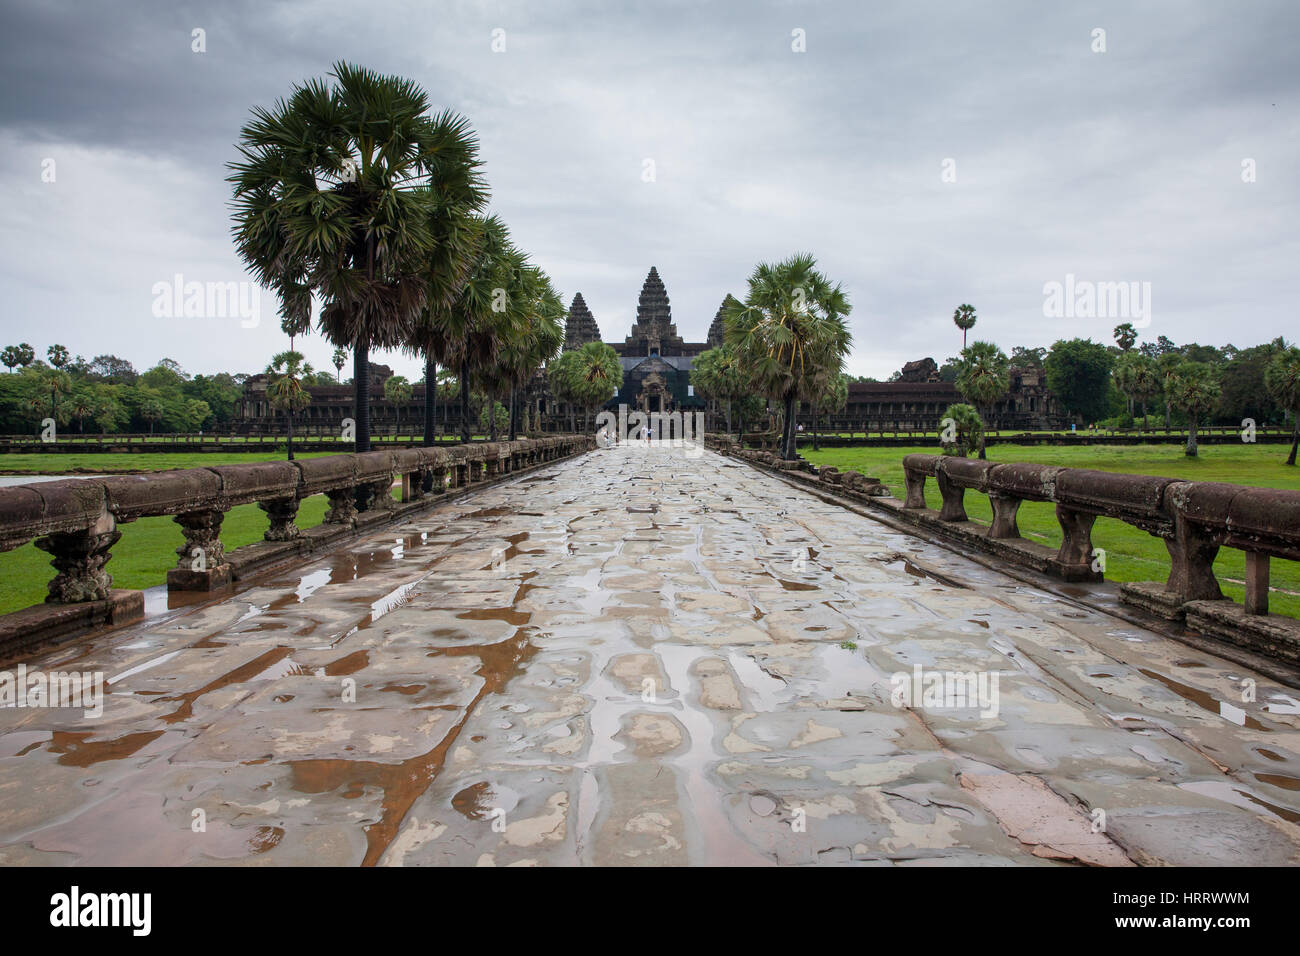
[(641, 657)]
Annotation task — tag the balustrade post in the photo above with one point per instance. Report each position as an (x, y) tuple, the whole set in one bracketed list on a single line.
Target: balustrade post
[(79, 557), (283, 513), (343, 506), (202, 565), (1191, 560), (1075, 554), (1256, 583), (915, 481), (954, 507), (1005, 508)]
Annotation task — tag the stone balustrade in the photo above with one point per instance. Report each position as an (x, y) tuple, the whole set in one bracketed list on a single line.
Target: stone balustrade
[(1194, 519), (76, 521)]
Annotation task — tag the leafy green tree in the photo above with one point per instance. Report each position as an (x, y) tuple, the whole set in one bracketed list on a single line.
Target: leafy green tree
[(285, 388), (109, 416), (964, 318), (497, 421), (789, 330), (110, 368), (1078, 373), (985, 377), (1282, 379), (1194, 388), (1245, 393), (966, 431), (398, 391), (333, 196), (1022, 357)]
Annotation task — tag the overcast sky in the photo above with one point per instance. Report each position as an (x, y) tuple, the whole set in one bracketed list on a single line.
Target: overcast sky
[(1117, 166)]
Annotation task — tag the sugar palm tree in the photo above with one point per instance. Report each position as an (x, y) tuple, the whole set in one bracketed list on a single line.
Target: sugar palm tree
[(561, 378), (81, 407), (1282, 379), (789, 330), (483, 315), (398, 391), (58, 356), (1125, 336), (55, 382), (1194, 388), (964, 318), (1145, 382), (285, 389), (338, 360), (830, 395), (984, 376), (538, 341), (968, 430), (456, 230), (716, 375), (10, 357), (332, 198), (595, 376), (151, 410)]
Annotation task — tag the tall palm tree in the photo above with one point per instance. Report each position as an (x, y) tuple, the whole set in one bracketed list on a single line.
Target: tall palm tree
[(483, 314), (1125, 336), (789, 329), (541, 336), (595, 376), (1194, 388), (964, 318), (285, 390), (1145, 381), (332, 198), (456, 230), (338, 360), (398, 391), (716, 375), (984, 376), (1282, 379)]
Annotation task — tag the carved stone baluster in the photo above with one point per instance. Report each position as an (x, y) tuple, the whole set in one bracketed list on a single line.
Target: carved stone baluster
[(283, 514), (202, 565), (79, 557), (343, 506)]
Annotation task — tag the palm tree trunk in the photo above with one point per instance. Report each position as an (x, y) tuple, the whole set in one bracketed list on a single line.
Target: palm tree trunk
[(361, 390), (728, 416), (787, 444), (492, 417), (1295, 437), (514, 422), (1191, 434), (464, 401), (430, 395), (288, 424), (983, 429)]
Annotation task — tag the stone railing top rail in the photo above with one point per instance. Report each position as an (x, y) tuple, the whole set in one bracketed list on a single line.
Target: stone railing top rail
[(74, 504), (1266, 520)]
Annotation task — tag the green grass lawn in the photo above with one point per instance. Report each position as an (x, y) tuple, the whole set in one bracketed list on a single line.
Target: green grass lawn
[(1131, 554)]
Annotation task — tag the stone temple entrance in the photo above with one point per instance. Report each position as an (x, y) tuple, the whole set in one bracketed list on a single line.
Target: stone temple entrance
[(654, 395)]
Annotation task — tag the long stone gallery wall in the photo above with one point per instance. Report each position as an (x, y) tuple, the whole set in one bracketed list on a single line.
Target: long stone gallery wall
[(76, 520)]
